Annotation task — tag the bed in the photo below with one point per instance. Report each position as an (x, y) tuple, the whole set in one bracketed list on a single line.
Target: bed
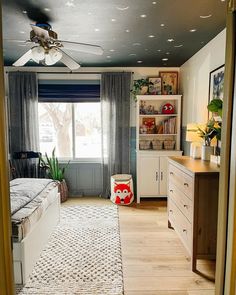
[(35, 211)]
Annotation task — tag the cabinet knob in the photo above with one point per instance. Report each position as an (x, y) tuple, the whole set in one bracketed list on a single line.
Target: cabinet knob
[(186, 184), (171, 191), (185, 206), (184, 230), (171, 211), (171, 173)]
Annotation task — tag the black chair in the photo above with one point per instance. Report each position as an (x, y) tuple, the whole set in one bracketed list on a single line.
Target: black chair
[(26, 164)]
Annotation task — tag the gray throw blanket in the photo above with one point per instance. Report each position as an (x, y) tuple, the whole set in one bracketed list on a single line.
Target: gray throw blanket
[(24, 190)]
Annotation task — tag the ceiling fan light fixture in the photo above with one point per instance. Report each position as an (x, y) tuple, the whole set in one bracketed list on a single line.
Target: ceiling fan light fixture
[(37, 53), (52, 56)]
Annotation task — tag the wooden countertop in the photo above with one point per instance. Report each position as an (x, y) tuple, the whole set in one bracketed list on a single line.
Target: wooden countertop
[(195, 165)]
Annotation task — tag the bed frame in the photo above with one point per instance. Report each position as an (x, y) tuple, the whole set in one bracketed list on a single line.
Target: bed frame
[(27, 252)]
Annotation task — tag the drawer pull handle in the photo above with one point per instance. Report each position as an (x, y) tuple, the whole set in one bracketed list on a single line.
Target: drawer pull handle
[(171, 191), (185, 206), (156, 176), (186, 184), (184, 230), (171, 211), (171, 173)]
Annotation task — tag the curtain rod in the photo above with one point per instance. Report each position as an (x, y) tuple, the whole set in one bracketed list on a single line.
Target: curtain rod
[(42, 72)]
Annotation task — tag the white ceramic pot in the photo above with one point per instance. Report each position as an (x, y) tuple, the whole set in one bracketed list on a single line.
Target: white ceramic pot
[(207, 151)]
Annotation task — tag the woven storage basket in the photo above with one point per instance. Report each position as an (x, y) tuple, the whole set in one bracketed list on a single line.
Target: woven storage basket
[(144, 145), (169, 144), (157, 144)]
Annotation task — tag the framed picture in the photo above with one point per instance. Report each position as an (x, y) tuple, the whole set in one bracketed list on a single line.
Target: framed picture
[(216, 83), (169, 84), (155, 88)]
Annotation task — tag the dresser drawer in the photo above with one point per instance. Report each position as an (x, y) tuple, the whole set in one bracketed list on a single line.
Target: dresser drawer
[(185, 204), (181, 224), (182, 180)]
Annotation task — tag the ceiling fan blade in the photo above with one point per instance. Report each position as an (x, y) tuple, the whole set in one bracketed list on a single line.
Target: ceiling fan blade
[(23, 59), (83, 47), (34, 12), (40, 32), (68, 61)]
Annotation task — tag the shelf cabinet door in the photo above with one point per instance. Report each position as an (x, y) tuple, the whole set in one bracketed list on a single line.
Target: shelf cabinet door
[(163, 165), (149, 176)]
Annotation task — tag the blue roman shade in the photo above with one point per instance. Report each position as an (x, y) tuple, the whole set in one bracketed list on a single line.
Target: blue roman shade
[(65, 92)]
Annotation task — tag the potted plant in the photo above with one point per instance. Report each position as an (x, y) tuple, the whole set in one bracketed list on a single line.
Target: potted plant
[(216, 106), (140, 86), (207, 133), (55, 172)]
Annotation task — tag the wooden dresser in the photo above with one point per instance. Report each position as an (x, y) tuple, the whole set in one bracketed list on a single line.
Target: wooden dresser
[(193, 205)]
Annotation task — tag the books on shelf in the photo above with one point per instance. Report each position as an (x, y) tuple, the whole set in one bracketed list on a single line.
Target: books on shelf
[(169, 126)]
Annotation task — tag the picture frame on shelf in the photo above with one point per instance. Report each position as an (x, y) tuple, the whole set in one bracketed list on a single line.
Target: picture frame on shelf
[(216, 83), (150, 124), (169, 84), (155, 85)]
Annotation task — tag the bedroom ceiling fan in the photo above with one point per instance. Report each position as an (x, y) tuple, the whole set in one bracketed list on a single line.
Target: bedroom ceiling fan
[(47, 49)]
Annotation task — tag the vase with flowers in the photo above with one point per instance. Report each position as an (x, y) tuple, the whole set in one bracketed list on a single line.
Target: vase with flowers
[(207, 133)]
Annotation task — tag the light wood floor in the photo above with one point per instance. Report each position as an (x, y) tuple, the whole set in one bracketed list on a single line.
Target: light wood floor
[(154, 260)]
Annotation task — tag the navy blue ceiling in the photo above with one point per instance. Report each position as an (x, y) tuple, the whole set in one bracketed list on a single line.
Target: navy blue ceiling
[(132, 32)]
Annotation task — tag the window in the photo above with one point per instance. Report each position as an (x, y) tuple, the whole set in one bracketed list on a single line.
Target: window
[(73, 128)]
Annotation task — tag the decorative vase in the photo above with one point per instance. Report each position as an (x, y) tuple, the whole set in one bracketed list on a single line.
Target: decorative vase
[(207, 151)]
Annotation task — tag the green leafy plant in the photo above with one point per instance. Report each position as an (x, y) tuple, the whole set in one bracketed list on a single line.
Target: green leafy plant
[(210, 131), (54, 171), (137, 86), (216, 106)]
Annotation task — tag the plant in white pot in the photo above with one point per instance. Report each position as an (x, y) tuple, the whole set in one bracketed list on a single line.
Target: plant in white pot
[(207, 133), (55, 172)]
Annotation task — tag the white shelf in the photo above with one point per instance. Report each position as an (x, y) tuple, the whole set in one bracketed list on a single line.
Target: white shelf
[(154, 134), (158, 115)]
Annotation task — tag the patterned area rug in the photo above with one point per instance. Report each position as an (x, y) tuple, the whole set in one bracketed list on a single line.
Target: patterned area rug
[(83, 256)]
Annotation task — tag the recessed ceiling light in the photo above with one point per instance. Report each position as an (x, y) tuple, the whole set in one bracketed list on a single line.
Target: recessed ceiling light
[(143, 15), (154, 2), (205, 16), (139, 61), (137, 44), (146, 49), (151, 36), (132, 54), (89, 13), (193, 30), (167, 53), (122, 8), (96, 30), (112, 50), (170, 40), (177, 46), (222, 0), (22, 32), (159, 50), (24, 11), (127, 31), (113, 20), (108, 56), (164, 59), (162, 25), (47, 9)]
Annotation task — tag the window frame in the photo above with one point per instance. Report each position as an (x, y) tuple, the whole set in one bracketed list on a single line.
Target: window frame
[(75, 159)]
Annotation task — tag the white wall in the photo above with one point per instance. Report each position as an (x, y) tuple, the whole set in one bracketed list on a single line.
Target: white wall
[(194, 79)]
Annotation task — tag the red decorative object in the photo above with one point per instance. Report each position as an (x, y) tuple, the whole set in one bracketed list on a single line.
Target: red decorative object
[(168, 108), (123, 193)]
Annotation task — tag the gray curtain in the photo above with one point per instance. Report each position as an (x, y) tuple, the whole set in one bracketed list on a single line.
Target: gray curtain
[(23, 112), (115, 107)]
